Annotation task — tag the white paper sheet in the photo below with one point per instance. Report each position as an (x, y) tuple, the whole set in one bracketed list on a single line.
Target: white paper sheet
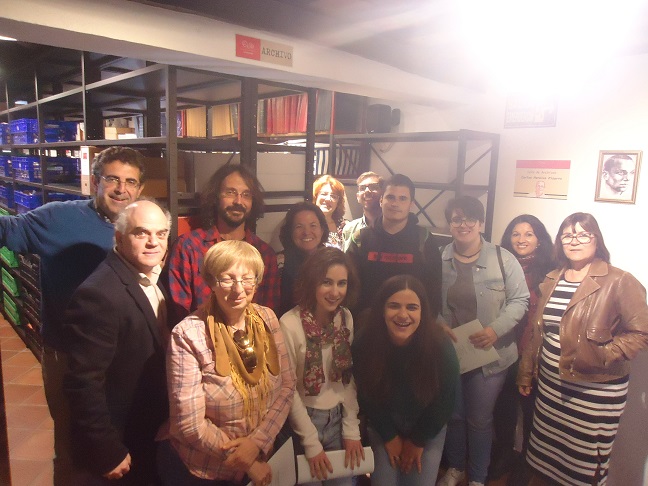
[(337, 461), (469, 356), (282, 463)]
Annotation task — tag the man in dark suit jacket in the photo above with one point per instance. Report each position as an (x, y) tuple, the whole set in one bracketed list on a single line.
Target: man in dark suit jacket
[(117, 332)]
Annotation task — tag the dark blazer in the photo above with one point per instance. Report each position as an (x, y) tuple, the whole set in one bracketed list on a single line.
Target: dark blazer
[(116, 381)]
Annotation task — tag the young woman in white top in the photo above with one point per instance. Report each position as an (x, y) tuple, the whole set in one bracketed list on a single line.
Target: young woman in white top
[(318, 333)]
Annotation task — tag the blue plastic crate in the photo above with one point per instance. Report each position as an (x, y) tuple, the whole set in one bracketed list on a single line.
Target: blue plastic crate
[(25, 167), (23, 125), (5, 166), (4, 134), (7, 195), (24, 138), (61, 169), (27, 200), (60, 131)]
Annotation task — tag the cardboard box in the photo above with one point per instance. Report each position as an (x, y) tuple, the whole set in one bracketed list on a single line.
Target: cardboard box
[(155, 169), (157, 188), (87, 155), (113, 133)]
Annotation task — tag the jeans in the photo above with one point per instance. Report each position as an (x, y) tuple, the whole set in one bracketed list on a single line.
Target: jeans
[(54, 365), (471, 427), (329, 428), (385, 475), (505, 413)]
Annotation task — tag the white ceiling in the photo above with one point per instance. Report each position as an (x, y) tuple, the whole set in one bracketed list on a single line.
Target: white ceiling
[(407, 50)]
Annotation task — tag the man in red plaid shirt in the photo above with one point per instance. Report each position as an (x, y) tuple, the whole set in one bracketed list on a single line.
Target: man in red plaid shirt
[(232, 201)]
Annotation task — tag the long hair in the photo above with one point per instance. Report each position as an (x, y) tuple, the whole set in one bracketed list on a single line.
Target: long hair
[(542, 262), (374, 350), (285, 233), (337, 188), (211, 194), (589, 224), (312, 274)]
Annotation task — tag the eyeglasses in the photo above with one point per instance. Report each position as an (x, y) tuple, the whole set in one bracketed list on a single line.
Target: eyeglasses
[(374, 187), (245, 347), (247, 283), (330, 195), (233, 194), (456, 222), (582, 238), (116, 181)]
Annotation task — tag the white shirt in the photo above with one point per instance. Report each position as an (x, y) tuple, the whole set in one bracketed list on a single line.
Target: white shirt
[(331, 393)]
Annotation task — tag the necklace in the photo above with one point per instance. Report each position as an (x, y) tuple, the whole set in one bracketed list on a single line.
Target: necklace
[(467, 256), (244, 344)]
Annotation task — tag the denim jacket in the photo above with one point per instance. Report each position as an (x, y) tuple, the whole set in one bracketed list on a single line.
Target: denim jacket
[(499, 305)]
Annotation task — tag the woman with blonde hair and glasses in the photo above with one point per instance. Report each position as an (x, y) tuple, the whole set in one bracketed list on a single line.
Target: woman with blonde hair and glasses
[(230, 381), (330, 197), (592, 319)]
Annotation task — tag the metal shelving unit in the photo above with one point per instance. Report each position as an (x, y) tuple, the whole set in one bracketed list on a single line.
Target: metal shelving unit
[(465, 160)]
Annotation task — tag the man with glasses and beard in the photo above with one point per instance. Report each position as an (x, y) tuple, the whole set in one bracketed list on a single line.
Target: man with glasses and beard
[(370, 190), (231, 202)]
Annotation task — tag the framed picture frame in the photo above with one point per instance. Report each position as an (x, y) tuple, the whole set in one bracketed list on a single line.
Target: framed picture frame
[(618, 176)]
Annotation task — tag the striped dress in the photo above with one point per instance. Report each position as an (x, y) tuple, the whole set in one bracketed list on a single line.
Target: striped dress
[(575, 423)]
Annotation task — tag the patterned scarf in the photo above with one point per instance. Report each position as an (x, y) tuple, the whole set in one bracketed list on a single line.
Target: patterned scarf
[(228, 361), (318, 336)]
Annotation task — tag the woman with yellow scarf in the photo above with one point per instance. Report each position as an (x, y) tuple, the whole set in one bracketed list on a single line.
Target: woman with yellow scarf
[(229, 377)]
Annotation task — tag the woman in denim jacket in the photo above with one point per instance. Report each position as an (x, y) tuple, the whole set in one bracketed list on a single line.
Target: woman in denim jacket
[(480, 281)]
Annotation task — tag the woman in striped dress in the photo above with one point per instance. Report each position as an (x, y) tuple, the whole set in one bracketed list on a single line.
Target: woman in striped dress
[(592, 319)]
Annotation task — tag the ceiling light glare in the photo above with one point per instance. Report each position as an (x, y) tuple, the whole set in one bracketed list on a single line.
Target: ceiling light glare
[(528, 46)]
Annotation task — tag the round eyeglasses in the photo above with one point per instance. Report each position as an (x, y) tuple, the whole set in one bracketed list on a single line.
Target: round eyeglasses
[(248, 283), (582, 238), (456, 222)]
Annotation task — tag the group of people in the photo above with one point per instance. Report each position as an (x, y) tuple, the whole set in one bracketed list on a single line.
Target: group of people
[(186, 374)]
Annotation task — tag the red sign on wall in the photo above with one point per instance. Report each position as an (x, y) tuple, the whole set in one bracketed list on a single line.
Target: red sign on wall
[(263, 50), (248, 47)]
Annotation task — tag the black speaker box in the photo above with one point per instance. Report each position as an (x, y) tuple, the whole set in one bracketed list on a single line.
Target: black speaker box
[(379, 118)]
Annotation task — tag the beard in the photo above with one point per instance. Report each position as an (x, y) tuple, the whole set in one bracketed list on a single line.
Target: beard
[(224, 215)]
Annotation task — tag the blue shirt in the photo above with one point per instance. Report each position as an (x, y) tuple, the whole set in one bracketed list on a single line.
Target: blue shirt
[(71, 240)]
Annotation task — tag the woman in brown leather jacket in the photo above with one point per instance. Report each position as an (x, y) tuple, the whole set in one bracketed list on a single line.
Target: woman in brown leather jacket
[(592, 318)]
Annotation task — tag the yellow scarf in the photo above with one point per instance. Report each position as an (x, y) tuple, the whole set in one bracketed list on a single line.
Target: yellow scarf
[(228, 361)]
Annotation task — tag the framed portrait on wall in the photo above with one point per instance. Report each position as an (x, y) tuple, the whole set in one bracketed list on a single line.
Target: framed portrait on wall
[(618, 176)]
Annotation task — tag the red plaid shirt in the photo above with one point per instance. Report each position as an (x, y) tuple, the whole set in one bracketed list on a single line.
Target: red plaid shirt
[(188, 289)]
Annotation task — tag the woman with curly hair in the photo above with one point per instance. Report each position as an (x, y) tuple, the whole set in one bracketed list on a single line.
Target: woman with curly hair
[(330, 197)]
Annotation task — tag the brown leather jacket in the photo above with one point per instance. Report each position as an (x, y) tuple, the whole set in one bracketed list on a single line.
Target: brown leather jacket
[(604, 326)]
